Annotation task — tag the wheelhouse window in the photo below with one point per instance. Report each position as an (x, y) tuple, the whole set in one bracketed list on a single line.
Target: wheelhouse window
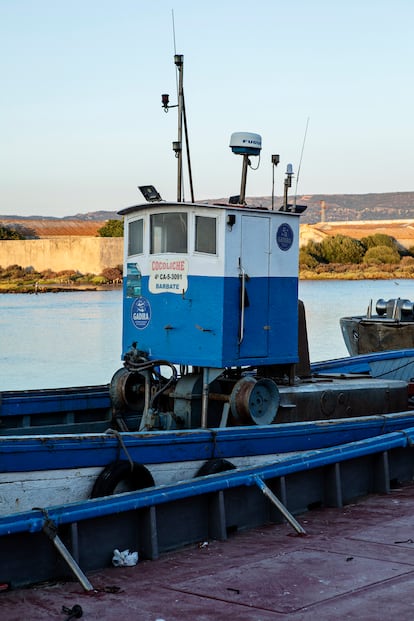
[(168, 232), (135, 237), (205, 235)]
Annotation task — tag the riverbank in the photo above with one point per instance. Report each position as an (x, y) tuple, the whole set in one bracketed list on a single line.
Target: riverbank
[(304, 276), (331, 271), (55, 288), (354, 271)]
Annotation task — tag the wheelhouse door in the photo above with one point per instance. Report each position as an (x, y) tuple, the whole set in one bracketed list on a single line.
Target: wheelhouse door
[(254, 286)]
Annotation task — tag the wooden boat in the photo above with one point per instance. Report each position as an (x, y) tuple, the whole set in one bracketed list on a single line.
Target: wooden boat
[(215, 382)]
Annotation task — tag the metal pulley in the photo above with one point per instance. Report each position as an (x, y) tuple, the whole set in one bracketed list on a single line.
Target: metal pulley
[(254, 401), (127, 390)]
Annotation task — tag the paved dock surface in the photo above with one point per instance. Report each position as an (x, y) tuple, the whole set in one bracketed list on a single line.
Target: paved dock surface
[(356, 562)]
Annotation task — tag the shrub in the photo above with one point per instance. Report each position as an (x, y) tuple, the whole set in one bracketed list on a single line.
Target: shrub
[(9, 233), (407, 262), (379, 239), (381, 254), (48, 274), (112, 274), (112, 228), (306, 259), (313, 249), (342, 249), (12, 272)]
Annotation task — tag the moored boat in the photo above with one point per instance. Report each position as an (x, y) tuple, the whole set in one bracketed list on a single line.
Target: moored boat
[(391, 327), (216, 381)]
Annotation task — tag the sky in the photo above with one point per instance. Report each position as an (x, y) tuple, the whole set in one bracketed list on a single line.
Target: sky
[(327, 84)]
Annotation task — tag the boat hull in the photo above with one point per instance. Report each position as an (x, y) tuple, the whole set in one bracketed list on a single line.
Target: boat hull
[(46, 470), (164, 518), (395, 365), (363, 336)]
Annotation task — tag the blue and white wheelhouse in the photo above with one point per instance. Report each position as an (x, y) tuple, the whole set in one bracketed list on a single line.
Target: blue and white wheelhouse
[(211, 285)]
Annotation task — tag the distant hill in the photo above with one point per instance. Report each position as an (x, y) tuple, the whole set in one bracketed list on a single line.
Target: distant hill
[(345, 207), (337, 207), (38, 227), (95, 215), (99, 216)]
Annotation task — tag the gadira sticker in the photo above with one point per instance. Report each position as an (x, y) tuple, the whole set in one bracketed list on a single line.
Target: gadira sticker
[(141, 313), (284, 236)]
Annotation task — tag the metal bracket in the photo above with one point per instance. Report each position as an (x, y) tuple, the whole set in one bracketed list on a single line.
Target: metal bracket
[(279, 505), (50, 529)]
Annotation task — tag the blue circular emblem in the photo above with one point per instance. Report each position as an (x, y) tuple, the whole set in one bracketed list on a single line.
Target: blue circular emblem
[(284, 236), (141, 313)]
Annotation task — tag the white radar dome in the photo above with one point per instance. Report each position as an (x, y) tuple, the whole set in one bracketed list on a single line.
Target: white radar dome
[(246, 143)]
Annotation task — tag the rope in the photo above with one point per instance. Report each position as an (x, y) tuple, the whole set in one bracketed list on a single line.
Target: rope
[(121, 442)]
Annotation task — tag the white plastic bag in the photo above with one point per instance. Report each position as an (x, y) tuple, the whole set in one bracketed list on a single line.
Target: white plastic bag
[(125, 558)]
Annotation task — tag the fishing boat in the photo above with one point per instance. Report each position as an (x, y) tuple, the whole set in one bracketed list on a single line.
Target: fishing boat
[(390, 327), (216, 392)]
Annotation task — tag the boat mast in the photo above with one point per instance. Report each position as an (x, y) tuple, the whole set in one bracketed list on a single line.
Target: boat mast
[(187, 146), (182, 121), (179, 63)]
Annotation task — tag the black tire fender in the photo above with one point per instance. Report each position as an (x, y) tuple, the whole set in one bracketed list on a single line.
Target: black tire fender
[(215, 466), (137, 477)]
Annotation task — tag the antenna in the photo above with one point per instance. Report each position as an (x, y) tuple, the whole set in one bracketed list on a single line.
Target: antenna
[(301, 156), (175, 50), (173, 29), (275, 162), (287, 185)]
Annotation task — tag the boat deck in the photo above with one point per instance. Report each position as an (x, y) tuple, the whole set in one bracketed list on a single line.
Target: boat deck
[(355, 562)]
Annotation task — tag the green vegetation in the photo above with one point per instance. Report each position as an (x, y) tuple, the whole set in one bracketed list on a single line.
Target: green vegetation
[(381, 254), (379, 239), (112, 228), (342, 249), (16, 279), (376, 257), (8, 233)]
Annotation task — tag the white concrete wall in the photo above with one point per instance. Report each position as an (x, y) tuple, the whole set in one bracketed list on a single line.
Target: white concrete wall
[(83, 254)]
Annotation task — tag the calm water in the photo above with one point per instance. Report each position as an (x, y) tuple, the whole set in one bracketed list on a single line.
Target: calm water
[(68, 339), (327, 301), (59, 339)]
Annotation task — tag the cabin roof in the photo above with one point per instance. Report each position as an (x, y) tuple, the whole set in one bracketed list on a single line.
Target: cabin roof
[(175, 205)]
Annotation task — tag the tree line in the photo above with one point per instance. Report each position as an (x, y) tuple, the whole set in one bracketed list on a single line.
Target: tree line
[(377, 256), (375, 249)]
